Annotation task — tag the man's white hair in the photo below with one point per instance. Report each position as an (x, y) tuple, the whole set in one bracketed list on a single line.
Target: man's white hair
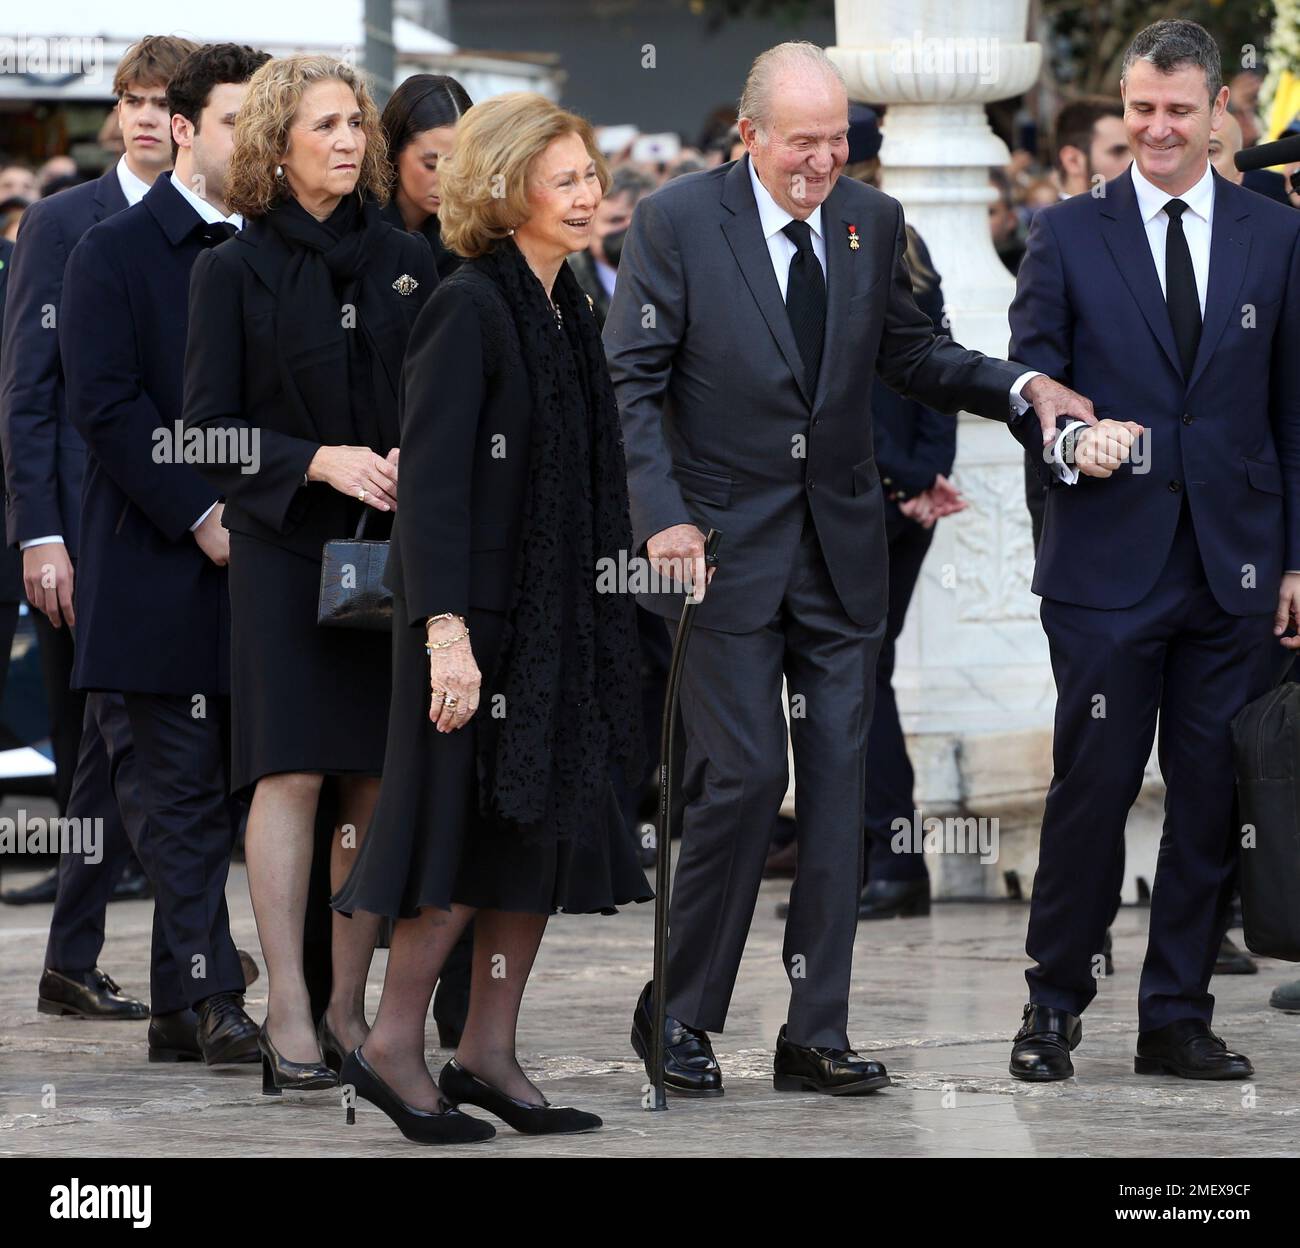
[(756, 101)]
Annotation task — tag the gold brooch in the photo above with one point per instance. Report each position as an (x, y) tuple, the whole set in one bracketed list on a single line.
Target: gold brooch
[(405, 284)]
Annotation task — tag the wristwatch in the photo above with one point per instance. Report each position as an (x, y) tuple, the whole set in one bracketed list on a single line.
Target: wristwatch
[(1068, 441)]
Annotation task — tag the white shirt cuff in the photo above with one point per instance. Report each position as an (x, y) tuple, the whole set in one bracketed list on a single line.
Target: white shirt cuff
[(1019, 404), (202, 518), (1066, 472), (41, 541)]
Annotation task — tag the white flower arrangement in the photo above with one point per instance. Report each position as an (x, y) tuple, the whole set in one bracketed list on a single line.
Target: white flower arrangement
[(1283, 50)]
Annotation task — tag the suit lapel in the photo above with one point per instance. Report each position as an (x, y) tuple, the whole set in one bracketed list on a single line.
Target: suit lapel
[(1230, 239), (1126, 237), (744, 235), (108, 194), (841, 260)]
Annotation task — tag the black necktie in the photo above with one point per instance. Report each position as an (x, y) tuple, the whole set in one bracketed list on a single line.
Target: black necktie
[(217, 232), (805, 301), (1180, 288)]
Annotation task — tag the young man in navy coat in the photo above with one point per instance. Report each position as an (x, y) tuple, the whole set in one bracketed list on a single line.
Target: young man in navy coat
[(1173, 302), (44, 460), (151, 598)]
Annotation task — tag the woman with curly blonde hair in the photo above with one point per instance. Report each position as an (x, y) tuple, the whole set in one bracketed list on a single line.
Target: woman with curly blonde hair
[(298, 327)]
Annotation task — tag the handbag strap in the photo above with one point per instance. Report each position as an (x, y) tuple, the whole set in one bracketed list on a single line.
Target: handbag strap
[(361, 524)]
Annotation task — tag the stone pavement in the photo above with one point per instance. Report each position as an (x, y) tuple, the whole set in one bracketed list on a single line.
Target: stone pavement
[(936, 999)]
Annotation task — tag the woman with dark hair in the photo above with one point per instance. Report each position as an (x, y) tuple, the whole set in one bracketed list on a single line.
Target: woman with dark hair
[(517, 490), (298, 326), (419, 123)]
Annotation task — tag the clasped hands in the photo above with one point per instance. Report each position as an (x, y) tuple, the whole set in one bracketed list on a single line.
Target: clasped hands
[(1100, 448)]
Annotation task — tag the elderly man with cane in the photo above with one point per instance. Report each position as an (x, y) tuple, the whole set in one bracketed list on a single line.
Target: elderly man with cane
[(756, 304)]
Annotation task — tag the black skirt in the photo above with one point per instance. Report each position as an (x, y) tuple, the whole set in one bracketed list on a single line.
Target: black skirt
[(427, 845), (303, 698)]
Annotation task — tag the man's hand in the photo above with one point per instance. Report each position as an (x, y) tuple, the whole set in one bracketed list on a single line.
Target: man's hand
[(678, 552), (1101, 449), (1288, 610), (213, 538), (1051, 400), (941, 499), (47, 578)]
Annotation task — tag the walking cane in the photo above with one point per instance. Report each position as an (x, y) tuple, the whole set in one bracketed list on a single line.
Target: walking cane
[(663, 833)]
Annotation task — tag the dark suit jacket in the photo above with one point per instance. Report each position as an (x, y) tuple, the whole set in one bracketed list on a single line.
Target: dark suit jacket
[(11, 566), (584, 269), (43, 453), (152, 608), (914, 443), (232, 381), (1089, 311), (465, 400), (720, 427)]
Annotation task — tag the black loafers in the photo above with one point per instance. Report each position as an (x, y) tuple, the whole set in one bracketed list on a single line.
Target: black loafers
[(837, 1072), (1189, 1049), (86, 994), (225, 1033), (690, 1069), (1041, 1050)]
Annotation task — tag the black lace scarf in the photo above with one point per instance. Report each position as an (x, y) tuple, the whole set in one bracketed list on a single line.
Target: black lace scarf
[(569, 660)]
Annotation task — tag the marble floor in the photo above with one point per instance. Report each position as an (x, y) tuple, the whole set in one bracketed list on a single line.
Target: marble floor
[(934, 998)]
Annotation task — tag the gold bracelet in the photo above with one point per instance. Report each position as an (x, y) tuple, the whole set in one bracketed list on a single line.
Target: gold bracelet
[(442, 645), (446, 615)]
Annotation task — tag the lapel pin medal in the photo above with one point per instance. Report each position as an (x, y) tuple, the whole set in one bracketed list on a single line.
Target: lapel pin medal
[(405, 284), (854, 244)]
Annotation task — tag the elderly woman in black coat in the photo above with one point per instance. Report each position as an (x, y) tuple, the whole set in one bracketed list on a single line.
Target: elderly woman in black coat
[(298, 327), (514, 677)]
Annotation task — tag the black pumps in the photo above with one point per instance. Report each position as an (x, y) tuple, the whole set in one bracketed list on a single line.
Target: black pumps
[(460, 1085), (279, 1073), (421, 1126)]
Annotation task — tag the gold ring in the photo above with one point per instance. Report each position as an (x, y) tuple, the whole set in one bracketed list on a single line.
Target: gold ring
[(449, 701), (361, 494)]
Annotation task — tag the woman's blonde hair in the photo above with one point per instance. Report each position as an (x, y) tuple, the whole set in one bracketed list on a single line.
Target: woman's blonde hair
[(262, 131), (484, 182)]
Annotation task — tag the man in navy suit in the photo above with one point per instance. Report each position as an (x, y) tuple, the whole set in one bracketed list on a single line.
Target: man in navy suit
[(1168, 570), (11, 580), (44, 462), (151, 535)]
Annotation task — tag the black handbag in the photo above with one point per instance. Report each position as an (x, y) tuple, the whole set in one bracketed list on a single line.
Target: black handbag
[(352, 590), (1266, 743)]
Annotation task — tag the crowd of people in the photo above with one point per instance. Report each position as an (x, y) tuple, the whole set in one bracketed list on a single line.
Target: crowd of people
[(412, 704)]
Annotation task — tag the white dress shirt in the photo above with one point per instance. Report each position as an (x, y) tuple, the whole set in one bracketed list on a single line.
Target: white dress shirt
[(1198, 220), (135, 190), (773, 219)]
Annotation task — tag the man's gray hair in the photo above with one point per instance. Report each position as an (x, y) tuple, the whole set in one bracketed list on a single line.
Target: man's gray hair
[(756, 101), (1174, 44)]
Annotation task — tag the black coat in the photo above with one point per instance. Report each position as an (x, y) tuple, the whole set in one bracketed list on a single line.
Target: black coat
[(232, 381), (43, 453), (466, 412), (153, 612), (11, 567)]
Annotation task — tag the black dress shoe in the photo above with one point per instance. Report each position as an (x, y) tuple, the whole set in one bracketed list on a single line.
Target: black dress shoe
[(1041, 1051), (420, 1126), (42, 893), (1234, 961), (895, 899), (174, 1037), (461, 1086), (332, 1049), (837, 1072), (279, 1073), (226, 1033), (86, 994), (689, 1065), (1189, 1049), (132, 885)]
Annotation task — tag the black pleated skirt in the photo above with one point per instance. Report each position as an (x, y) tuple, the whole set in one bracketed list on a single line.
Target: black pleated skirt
[(303, 698), (427, 845)]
